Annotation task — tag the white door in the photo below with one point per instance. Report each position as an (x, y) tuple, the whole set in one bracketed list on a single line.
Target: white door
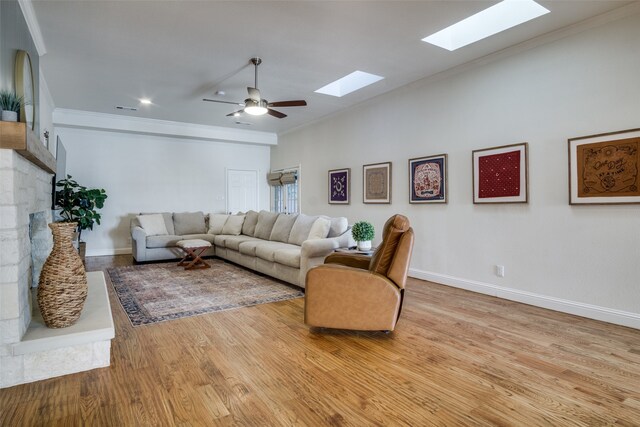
[(242, 190)]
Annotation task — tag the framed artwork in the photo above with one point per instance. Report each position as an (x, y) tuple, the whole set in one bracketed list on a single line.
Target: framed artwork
[(339, 186), (377, 183), (603, 169), (428, 179), (500, 174)]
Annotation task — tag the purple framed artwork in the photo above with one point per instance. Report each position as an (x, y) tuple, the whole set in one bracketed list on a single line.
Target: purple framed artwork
[(339, 186), (428, 179)]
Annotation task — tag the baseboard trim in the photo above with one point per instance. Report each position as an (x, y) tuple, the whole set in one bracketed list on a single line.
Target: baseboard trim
[(595, 312), (108, 252)]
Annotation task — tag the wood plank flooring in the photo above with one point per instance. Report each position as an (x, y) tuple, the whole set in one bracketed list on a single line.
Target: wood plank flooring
[(456, 358)]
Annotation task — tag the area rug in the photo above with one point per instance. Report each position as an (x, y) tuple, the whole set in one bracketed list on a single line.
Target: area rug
[(158, 292)]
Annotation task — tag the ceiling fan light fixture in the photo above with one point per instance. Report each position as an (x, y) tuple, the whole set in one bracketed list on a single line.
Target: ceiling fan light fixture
[(255, 108)]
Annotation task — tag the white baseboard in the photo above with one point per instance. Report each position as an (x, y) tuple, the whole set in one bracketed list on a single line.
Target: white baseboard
[(108, 252), (604, 314)]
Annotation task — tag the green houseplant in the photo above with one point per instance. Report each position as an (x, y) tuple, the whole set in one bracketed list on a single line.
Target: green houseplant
[(363, 232), (10, 105), (79, 204)]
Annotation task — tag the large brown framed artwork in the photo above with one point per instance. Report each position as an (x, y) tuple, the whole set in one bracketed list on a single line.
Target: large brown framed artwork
[(604, 168), (376, 182)]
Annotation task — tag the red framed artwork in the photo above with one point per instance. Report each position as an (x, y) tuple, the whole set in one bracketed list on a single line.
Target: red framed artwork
[(500, 174)]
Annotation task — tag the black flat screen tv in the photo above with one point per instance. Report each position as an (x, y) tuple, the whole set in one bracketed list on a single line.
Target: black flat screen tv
[(61, 169)]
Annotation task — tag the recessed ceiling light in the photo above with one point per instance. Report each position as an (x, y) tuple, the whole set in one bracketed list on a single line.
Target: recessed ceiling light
[(145, 101), (497, 18), (349, 83)]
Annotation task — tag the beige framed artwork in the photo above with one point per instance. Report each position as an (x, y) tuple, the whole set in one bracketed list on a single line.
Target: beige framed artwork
[(376, 180), (603, 168)]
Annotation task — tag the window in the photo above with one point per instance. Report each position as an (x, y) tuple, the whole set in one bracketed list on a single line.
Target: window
[(285, 190)]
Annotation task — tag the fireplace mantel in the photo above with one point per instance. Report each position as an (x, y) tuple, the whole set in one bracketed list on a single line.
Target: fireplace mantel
[(16, 136)]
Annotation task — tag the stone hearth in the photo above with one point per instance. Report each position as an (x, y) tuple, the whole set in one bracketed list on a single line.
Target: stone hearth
[(28, 350)]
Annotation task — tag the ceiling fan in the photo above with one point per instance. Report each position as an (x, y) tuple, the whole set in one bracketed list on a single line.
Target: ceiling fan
[(255, 104)]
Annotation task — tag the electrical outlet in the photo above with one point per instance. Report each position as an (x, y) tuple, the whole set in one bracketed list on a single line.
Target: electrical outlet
[(500, 270)]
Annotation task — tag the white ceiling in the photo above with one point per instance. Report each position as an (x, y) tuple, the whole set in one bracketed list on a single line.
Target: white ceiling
[(106, 53)]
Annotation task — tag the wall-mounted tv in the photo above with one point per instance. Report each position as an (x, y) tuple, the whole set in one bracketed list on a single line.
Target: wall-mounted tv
[(61, 169)]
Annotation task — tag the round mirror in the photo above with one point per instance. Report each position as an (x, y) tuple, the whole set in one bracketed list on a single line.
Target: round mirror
[(24, 88)]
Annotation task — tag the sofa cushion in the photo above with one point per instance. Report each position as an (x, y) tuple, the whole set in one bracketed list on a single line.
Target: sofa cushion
[(233, 242), (220, 240), (167, 241), (216, 223), (153, 224), (233, 226), (301, 228), (267, 250), (320, 229), (207, 237), (289, 256), (265, 224), (250, 221), (338, 225), (282, 228), (250, 247), (189, 223)]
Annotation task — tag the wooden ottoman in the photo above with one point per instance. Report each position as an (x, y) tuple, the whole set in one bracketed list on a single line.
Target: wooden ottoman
[(193, 249)]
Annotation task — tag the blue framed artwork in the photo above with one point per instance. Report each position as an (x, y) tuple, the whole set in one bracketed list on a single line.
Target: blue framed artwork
[(428, 179), (339, 186)]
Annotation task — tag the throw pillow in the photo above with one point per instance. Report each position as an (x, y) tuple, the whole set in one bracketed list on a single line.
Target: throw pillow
[(189, 223), (282, 228), (216, 223), (301, 229), (153, 224), (233, 226), (265, 224), (338, 226), (250, 221), (319, 229)]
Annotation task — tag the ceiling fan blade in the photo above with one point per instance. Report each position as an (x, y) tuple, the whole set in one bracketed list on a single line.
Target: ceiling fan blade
[(254, 93), (275, 113), (297, 103), (235, 112), (222, 102)]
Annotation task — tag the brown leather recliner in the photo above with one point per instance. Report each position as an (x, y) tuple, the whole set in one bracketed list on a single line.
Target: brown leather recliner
[(359, 292)]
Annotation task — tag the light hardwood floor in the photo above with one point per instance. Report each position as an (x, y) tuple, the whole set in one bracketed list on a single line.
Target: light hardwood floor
[(456, 358)]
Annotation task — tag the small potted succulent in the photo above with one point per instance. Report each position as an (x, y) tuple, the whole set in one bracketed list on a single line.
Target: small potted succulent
[(10, 105), (363, 232)]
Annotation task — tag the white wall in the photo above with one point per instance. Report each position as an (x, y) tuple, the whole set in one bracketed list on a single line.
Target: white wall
[(580, 259), (46, 113), (145, 173)]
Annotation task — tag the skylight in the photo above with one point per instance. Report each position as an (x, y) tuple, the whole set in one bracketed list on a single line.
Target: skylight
[(349, 83), (497, 18)]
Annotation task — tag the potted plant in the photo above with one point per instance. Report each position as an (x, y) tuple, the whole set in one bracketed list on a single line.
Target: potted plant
[(10, 105), (79, 204), (363, 232)]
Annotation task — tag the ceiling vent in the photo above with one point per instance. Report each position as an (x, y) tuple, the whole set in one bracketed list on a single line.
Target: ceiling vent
[(122, 107)]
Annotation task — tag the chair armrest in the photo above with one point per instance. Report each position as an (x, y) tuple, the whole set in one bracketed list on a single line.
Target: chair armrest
[(350, 260), (139, 235), (337, 296), (319, 247)]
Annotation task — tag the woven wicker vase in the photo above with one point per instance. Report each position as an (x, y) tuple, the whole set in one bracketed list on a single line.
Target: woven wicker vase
[(62, 289)]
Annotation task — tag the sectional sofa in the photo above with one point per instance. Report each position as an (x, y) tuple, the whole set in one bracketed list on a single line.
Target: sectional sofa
[(279, 245)]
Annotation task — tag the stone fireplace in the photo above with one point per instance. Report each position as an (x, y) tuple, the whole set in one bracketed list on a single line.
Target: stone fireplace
[(28, 350)]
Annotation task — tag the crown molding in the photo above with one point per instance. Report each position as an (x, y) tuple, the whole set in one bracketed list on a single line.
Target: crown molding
[(34, 27), (79, 119)]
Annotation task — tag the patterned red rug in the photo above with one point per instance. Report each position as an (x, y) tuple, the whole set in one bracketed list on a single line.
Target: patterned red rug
[(154, 293)]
